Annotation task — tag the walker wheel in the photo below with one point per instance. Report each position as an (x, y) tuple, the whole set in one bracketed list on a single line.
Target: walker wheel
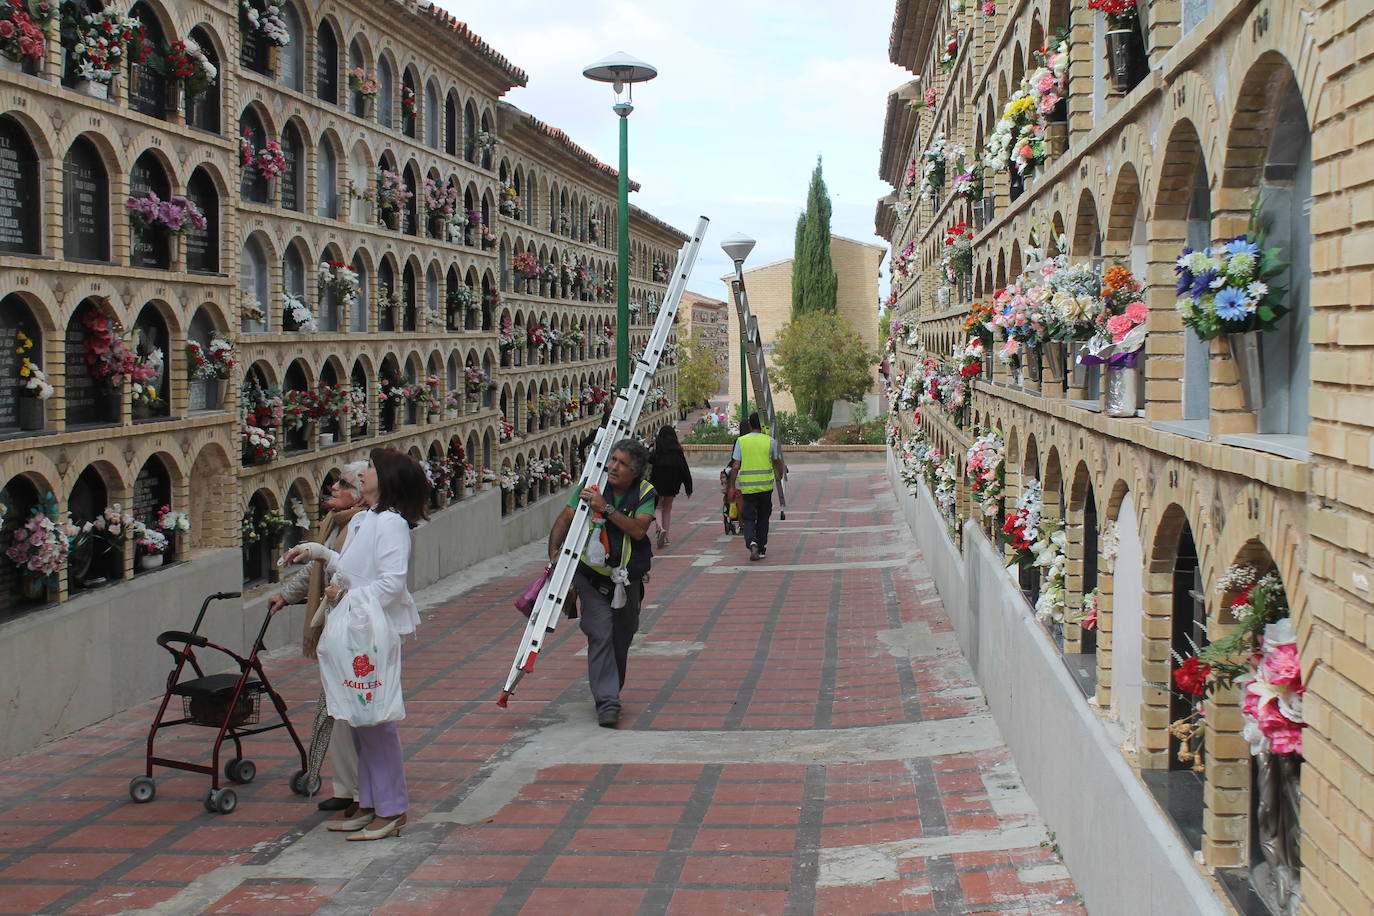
[(303, 784), (142, 789), (240, 770), (221, 801)]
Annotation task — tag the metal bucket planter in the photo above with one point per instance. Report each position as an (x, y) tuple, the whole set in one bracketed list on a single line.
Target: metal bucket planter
[(1245, 350), (30, 412), (1126, 56), (93, 88), (1121, 390), (1052, 361)]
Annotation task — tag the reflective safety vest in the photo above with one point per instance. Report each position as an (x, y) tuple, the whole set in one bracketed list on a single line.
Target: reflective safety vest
[(755, 463), (607, 545)]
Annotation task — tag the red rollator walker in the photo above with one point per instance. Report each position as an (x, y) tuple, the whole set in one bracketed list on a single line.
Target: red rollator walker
[(227, 702)]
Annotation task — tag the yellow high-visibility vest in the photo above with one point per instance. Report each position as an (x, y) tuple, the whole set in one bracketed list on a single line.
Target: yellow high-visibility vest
[(755, 463)]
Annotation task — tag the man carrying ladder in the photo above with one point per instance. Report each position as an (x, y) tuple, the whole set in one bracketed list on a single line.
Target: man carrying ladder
[(753, 465)]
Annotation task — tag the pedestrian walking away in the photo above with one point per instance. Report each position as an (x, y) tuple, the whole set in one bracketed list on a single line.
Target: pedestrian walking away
[(307, 585), (372, 567), (756, 462), (670, 475), (610, 573)]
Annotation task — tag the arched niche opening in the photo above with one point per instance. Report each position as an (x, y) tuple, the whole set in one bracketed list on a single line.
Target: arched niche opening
[(20, 205), (93, 345), (151, 342), (200, 247), (203, 101), (96, 558), (205, 386), (326, 64), (20, 590), (150, 242), (22, 372), (85, 203), (293, 174)]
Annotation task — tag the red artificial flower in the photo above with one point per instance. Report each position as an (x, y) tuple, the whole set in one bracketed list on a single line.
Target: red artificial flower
[(1191, 676)]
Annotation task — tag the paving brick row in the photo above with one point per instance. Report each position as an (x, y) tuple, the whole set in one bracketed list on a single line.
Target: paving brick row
[(704, 826)]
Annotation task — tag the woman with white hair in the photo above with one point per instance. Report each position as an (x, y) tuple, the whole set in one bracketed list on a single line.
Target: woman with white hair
[(307, 585)]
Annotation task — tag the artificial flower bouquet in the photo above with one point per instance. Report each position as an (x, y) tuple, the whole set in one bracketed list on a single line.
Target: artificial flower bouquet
[(34, 382), (99, 43), (391, 191), (177, 215), (1120, 326), (1228, 290), (185, 62), (340, 279), (24, 26), (363, 83), (39, 547), (212, 361), (986, 469), (267, 22), (268, 161)]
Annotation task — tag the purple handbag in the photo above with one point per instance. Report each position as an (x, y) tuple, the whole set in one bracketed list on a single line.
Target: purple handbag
[(525, 603)]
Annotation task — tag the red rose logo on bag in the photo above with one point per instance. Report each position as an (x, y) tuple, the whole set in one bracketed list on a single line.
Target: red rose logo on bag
[(362, 666)]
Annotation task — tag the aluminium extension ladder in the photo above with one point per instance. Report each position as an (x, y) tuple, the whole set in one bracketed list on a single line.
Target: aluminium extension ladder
[(758, 375), (624, 416)]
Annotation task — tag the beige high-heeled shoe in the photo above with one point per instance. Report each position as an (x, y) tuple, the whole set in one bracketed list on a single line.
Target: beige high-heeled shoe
[(358, 821), (391, 827)]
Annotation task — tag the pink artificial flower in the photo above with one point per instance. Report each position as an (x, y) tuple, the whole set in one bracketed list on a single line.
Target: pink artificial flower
[(1048, 101), (1120, 326), (1285, 738), (1025, 151), (1137, 312), (1010, 346), (1045, 83), (1282, 668), (989, 8)]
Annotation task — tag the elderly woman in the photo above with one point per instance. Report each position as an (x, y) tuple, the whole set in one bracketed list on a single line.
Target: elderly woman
[(373, 565), (307, 585)]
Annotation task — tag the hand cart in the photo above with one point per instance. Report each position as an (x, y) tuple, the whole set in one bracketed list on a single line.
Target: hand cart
[(227, 702)]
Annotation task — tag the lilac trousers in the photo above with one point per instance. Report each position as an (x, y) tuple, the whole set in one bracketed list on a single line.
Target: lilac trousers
[(381, 769)]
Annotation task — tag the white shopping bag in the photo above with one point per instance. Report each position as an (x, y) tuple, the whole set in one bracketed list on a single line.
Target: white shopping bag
[(360, 663)]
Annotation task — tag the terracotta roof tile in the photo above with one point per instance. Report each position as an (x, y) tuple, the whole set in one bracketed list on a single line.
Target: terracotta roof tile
[(514, 75)]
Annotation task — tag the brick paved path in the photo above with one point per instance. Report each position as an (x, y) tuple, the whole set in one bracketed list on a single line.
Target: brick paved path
[(800, 735)]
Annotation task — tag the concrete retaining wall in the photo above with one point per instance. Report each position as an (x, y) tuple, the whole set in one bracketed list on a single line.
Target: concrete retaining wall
[(1125, 856), (67, 666)]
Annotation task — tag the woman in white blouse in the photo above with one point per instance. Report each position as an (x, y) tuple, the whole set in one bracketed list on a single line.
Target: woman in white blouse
[(374, 562)]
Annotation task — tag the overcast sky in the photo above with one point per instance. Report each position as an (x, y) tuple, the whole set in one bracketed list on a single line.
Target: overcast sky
[(748, 93)]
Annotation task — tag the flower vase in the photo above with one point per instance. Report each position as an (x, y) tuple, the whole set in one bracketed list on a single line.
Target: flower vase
[(390, 218), (176, 102), (1078, 372), (10, 65), (1122, 390), (326, 440), (150, 561), (93, 88), (30, 412), (1126, 56), (111, 401), (32, 588), (214, 393), (1248, 357), (1052, 359)]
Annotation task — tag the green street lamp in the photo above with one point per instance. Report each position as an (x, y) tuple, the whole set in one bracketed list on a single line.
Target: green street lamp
[(622, 71), (737, 248)]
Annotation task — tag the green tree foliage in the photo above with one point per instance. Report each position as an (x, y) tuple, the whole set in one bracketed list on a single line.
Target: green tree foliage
[(813, 275), (821, 361), (698, 374)]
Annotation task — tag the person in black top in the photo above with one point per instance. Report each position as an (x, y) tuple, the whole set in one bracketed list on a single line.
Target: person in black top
[(670, 474)]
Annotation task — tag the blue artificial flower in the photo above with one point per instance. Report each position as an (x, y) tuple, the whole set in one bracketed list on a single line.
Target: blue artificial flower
[(1185, 280), (1241, 245), (1202, 283), (1230, 304)]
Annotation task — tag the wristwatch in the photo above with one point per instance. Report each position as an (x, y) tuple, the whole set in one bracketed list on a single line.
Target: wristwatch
[(610, 510)]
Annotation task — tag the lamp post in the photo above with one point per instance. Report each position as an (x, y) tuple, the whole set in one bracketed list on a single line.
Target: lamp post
[(622, 71), (737, 248)]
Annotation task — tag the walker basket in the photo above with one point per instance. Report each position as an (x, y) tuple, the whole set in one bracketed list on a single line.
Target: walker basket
[(205, 701)]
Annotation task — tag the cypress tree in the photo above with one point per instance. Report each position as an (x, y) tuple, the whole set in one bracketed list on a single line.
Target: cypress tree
[(813, 274)]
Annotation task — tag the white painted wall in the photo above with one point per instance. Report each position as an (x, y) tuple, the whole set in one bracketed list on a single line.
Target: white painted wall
[(1127, 627)]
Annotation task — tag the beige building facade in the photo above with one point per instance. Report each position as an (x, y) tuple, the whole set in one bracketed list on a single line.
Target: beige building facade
[(421, 267), (1174, 125), (711, 317), (769, 288)]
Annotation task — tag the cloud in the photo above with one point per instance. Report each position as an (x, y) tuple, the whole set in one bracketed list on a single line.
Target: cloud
[(749, 92)]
